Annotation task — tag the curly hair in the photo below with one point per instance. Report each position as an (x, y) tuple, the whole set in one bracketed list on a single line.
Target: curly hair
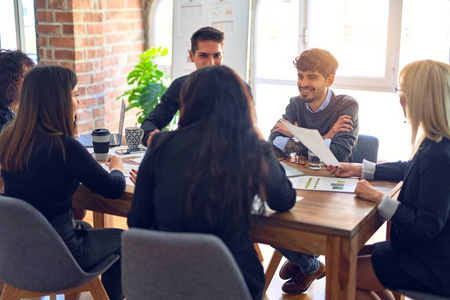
[(13, 65), (315, 59)]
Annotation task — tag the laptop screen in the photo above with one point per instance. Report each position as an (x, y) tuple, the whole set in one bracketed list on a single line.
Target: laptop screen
[(115, 138), (122, 119)]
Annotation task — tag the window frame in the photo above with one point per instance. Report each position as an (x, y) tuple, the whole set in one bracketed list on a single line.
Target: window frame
[(385, 83)]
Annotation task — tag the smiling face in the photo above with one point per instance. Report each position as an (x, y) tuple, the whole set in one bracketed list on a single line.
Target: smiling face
[(208, 53), (313, 86)]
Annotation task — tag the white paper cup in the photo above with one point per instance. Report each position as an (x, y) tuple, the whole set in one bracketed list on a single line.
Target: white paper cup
[(100, 141)]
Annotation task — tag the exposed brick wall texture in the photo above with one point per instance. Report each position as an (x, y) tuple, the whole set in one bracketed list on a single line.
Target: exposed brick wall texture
[(100, 40)]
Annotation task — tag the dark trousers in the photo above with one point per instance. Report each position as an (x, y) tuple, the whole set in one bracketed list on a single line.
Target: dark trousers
[(89, 246)]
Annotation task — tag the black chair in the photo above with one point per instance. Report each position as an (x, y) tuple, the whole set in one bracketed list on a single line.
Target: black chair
[(366, 148)]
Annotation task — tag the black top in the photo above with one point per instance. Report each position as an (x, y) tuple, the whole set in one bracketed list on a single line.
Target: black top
[(6, 116), (163, 113), (49, 183), (420, 230), (342, 143), (155, 202)]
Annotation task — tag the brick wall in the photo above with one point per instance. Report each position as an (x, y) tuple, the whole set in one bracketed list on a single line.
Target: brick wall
[(101, 41)]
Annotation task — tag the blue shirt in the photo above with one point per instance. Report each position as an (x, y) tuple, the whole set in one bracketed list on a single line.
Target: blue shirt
[(281, 141)]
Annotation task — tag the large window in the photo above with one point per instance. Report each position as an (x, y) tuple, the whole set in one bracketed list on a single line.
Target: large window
[(160, 30), (372, 41), (17, 27)]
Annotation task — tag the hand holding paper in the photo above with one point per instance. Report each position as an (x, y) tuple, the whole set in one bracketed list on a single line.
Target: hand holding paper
[(312, 140)]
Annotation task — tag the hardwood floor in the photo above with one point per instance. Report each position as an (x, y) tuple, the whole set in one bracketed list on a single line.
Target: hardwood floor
[(315, 292)]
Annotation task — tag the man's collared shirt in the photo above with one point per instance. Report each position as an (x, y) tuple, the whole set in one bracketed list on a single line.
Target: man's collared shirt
[(281, 141)]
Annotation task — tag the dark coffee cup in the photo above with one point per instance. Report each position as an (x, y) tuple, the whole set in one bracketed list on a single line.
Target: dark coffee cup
[(100, 141)]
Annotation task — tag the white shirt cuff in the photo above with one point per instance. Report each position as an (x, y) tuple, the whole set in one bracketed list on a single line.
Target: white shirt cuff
[(387, 207), (280, 142), (368, 170), (328, 142)]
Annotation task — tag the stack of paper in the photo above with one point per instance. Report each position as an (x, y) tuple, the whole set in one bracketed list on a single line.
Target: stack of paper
[(312, 140)]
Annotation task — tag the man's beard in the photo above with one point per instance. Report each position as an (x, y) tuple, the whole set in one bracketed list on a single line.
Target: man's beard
[(306, 100), (310, 95)]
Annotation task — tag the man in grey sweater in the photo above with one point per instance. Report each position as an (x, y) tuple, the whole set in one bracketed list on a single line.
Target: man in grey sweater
[(317, 107), (336, 118)]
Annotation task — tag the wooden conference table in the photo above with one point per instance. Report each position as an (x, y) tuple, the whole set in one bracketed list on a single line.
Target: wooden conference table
[(333, 224)]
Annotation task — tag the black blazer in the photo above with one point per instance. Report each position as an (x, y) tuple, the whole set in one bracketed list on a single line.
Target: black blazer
[(421, 225), (6, 116)]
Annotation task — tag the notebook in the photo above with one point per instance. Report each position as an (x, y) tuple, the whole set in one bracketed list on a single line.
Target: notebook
[(115, 139), (291, 171)]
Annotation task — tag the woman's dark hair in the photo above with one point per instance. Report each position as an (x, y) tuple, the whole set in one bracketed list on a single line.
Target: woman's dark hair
[(232, 157), (13, 66), (45, 112)]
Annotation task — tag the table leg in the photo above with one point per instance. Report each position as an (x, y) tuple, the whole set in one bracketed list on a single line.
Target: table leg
[(341, 269), (102, 220), (273, 266)]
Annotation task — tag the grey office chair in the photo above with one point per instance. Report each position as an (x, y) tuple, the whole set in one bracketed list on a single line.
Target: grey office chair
[(366, 148), (34, 261), (419, 295), (167, 265)]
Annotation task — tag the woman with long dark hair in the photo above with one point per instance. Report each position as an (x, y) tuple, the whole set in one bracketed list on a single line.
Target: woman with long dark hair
[(205, 176), (43, 165)]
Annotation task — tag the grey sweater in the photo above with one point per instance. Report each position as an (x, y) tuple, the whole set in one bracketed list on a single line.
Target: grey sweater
[(342, 143)]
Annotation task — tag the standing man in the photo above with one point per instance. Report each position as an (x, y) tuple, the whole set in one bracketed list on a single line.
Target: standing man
[(317, 107), (206, 50), (336, 118)]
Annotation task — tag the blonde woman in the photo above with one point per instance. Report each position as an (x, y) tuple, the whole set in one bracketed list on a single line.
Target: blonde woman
[(418, 255)]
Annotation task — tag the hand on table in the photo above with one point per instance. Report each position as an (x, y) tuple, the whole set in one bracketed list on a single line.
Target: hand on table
[(366, 191), (343, 124), (281, 128), (114, 163)]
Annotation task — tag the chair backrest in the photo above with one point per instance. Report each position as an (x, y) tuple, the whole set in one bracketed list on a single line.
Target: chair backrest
[(167, 265), (366, 148), (419, 295), (32, 254)]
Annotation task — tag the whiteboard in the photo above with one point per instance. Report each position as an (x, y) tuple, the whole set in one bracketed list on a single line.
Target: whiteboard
[(230, 16)]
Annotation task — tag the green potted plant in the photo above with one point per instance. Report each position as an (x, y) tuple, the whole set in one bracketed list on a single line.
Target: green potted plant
[(148, 82)]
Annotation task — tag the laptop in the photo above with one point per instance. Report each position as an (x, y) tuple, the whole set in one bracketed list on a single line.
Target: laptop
[(115, 139)]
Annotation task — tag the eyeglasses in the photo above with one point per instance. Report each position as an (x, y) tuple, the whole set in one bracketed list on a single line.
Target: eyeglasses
[(398, 90), (296, 159)]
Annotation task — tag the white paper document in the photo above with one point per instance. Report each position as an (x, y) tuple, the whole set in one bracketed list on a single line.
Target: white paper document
[(126, 171), (321, 183), (312, 140)]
